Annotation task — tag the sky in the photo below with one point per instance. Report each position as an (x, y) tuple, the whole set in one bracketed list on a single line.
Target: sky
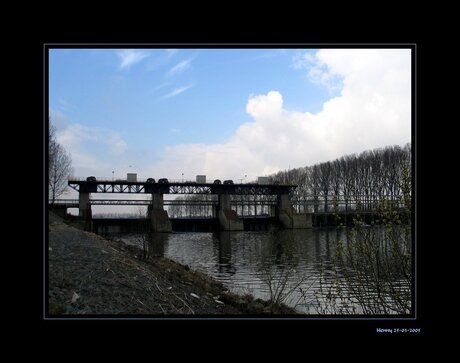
[(225, 113)]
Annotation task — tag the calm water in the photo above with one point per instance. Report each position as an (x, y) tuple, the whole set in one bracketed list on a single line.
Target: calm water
[(251, 262)]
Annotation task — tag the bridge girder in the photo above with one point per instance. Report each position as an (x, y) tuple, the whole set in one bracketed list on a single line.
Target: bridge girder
[(178, 188)]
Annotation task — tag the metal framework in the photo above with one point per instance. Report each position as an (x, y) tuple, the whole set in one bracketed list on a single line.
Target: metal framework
[(178, 188), (120, 188), (254, 190), (190, 189)]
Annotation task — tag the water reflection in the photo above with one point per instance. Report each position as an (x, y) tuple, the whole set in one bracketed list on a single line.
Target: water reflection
[(242, 260), (224, 252)]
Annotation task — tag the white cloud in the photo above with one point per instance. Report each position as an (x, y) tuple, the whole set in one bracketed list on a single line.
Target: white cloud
[(318, 70), (130, 57), (116, 145), (92, 149), (179, 67), (372, 110), (177, 91)]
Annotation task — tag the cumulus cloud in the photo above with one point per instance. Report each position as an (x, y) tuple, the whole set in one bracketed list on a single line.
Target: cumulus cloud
[(372, 110), (129, 57), (318, 71)]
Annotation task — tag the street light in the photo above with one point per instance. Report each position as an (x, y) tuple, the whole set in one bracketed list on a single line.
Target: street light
[(113, 172), (182, 177)]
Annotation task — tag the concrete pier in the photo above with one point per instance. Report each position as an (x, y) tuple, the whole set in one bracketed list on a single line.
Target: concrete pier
[(158, 216), (288, 217), (84, 211), (228, 219)]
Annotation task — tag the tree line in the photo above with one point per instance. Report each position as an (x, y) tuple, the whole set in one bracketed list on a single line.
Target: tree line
[(192, 206), (363, 179), (351, 181)]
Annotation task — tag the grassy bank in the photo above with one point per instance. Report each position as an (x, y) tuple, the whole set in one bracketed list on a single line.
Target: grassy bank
[(90, 275)]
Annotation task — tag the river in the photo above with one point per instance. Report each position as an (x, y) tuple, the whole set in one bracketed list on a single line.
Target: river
[(298, 267)]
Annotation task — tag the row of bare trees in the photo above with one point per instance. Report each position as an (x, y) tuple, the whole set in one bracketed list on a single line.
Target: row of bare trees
[(191, 206), (366, 179), (200, 205), (342, 184), (59, 166)]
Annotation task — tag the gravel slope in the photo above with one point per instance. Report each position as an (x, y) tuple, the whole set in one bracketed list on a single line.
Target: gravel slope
[(88, 274)]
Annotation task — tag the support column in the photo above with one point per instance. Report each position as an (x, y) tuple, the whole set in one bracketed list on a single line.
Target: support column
[(273, 210), (159, 219), (84, 210), (288, 216), (284, 211), (83, 202), (228, 218), (284, 201)]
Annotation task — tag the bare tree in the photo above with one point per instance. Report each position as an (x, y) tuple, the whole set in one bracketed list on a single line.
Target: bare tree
[(59, 167), (357, 181), (51, 147), (325, 182)]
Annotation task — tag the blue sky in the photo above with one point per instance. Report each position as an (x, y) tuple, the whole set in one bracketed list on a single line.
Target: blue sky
[(224, 112), (144, 98)]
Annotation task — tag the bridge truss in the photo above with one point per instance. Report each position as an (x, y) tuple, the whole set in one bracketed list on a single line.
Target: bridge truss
[(178, 188)]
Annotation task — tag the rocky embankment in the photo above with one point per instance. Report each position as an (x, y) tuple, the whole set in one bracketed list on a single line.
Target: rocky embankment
[(88, 274)]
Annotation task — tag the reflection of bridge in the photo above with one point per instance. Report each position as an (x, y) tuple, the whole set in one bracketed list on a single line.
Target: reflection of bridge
[(279, 203)]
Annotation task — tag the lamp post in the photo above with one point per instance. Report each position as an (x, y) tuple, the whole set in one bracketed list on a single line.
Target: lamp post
[(182, 177), (113, 175)]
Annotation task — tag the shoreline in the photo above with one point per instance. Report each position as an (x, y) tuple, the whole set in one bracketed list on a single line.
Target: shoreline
[(89, 275)]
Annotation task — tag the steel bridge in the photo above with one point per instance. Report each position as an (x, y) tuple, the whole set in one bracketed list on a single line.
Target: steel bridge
[(274, 196), (187, 187)]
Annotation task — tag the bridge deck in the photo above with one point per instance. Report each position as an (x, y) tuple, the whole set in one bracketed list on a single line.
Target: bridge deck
[(108, 186)]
